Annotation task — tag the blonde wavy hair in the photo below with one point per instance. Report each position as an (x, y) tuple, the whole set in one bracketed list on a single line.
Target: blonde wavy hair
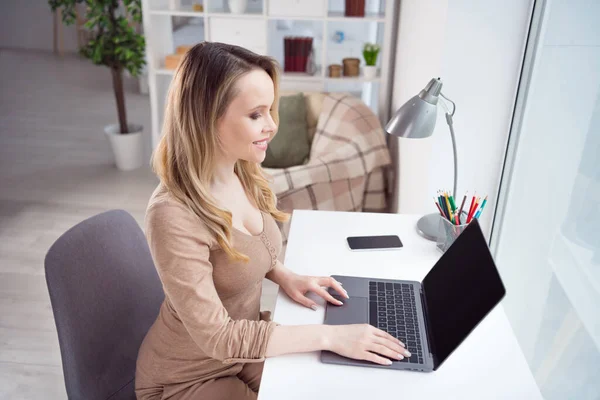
[(203, 86)]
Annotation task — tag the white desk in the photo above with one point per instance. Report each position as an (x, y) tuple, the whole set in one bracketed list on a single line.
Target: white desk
[(488, 365)]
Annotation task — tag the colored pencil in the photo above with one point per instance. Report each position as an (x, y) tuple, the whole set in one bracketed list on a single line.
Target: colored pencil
[(452, 204), (471, 207), (461, 207), (442, 206), (462, 204), (475, 207), (438, 206), (441, 202), (448, 205), (481, 208)]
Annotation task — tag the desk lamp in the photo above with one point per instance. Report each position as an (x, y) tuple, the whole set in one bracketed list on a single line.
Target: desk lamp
[(416, 120)]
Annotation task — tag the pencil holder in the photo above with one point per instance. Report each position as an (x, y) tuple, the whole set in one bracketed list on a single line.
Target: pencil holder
[(448, 232)]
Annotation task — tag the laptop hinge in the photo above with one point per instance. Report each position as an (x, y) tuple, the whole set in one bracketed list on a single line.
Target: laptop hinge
[(429, 335)]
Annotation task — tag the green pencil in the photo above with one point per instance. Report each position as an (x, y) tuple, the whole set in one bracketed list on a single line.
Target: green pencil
[(452, 204)]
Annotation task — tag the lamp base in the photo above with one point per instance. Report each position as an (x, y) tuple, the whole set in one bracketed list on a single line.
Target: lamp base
[(428, 226)]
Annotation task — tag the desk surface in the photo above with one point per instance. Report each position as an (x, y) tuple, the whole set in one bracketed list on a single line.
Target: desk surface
[(488, 365)]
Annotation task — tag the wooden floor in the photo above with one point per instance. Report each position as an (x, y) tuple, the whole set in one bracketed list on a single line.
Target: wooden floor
[(56, 169)]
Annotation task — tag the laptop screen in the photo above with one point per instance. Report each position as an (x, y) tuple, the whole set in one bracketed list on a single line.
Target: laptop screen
[(462, 287)]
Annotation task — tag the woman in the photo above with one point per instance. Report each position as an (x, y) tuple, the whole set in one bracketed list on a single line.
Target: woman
[(211, 229)]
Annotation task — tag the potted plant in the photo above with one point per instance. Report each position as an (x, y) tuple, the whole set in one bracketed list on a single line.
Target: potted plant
[(115, 44), (370, 52)]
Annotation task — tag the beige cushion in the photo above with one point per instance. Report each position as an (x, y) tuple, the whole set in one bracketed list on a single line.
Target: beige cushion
[(314, 104)]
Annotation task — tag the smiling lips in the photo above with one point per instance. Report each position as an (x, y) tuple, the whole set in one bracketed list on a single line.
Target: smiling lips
[(262, 144)]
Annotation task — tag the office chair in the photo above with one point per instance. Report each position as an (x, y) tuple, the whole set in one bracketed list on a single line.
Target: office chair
[(105, 295)]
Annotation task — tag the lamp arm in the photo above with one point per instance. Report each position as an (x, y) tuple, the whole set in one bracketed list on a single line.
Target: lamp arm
[(450, 122), (453, 104), (451, 126)]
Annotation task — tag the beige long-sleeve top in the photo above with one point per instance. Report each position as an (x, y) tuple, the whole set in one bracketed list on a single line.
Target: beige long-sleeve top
[(210, 321)]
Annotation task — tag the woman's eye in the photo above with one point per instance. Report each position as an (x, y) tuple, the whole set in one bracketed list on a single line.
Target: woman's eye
[(255, 116)]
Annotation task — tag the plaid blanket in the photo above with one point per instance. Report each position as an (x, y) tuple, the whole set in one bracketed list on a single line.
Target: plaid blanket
[(347, 167)]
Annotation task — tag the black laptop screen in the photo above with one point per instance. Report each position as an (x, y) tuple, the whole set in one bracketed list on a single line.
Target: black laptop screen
[(462, 287)]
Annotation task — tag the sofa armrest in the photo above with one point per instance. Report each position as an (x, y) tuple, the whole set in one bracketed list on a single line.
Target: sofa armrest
[(349, 142)]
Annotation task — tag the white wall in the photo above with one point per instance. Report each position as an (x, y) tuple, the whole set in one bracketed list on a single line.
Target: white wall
[(28, 24), (482, 53), (419, 49)]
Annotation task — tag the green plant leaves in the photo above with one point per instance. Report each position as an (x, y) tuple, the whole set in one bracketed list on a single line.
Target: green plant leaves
[(115, 42), (370, 52)]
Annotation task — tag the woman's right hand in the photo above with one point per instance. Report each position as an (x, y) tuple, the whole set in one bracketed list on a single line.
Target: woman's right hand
[(365, 342)]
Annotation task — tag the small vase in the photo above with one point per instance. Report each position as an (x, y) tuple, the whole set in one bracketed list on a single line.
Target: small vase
[(237, 6), (174, 4), (370, 72)]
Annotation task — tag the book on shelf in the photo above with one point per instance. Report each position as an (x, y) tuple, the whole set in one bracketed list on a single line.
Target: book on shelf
[(297, 53)]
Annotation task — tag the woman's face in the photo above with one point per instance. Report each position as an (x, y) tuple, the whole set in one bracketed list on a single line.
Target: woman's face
[(246, 128)]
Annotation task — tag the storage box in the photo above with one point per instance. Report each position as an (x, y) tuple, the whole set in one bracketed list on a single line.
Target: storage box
[(183, 49), (335, 70), (351, 66), (173, 60)]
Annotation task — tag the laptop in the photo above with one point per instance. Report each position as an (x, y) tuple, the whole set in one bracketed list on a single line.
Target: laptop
[(432, 318)]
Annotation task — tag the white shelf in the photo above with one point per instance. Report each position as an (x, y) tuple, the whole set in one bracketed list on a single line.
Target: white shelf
[(302, 76), (317, 76), (294, 18), (369, 17), (181, 11), (164, 71), (332, 16), (252, 30), (298, 76), (187, 11), (352, 79), (225, 13)]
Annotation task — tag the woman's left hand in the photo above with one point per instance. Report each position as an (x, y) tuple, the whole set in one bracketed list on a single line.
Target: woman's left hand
[(296, 286)]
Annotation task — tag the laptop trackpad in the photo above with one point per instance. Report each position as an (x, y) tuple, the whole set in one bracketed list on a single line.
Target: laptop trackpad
[(354, 311)]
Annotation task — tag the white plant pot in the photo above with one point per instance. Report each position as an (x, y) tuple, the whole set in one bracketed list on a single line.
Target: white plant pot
[(237, 6), (128, 148), (370, 71)]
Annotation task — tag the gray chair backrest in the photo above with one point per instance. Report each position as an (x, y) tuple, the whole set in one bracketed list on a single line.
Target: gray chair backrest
[(105, 295)]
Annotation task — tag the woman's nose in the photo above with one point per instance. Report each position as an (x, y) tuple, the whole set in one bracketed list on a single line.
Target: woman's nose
[(272, 126)]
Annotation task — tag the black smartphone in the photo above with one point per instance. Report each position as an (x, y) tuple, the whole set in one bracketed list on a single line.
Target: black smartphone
[(374, 242)]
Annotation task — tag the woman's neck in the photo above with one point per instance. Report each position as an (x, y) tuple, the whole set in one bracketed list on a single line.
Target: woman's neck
[(224, 173)]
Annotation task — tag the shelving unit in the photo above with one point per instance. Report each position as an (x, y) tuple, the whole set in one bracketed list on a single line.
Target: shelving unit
[(261, 29)]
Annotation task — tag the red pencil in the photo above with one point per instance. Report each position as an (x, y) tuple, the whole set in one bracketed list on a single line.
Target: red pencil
[(471, 207), (438, 206), (474, 209)]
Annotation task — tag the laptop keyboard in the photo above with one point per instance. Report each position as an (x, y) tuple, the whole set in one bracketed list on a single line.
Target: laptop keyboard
[(392, 308)]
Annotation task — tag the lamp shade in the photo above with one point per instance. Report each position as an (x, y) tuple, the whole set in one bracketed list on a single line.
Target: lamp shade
[(417, 117)]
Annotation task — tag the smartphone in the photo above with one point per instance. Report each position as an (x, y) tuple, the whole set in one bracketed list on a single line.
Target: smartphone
[(374, 242)]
